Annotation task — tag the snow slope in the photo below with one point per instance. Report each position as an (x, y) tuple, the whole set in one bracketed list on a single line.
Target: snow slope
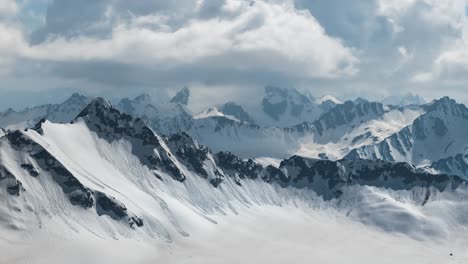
[(94, 189), (261, 234)]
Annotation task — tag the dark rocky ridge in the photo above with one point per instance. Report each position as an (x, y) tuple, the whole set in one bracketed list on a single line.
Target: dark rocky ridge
[(327, 178), (110, 124), (194, 156)]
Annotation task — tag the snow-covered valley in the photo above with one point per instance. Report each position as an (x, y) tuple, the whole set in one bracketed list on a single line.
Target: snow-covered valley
[(265, 234)]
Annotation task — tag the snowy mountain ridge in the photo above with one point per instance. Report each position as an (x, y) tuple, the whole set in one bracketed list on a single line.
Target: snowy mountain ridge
[(62, 113), (438, 134), (107, 175)]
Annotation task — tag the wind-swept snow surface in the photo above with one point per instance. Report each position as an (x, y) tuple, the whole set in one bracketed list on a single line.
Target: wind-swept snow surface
[(260, 234)]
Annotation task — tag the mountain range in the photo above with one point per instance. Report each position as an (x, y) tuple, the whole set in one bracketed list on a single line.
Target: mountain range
[(140, 170)]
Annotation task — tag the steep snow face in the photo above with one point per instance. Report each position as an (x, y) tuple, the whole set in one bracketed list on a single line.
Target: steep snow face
[(329, 98), (61, 113), (2, 132), (284, 108), (405, 100), (328, 102), (438, 134), (214, 112)]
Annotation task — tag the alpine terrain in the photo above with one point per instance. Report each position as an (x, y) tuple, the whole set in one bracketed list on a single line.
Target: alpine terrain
[(135, 177)]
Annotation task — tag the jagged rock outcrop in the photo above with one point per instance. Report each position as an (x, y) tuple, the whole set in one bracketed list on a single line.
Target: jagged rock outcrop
[(111, 125)]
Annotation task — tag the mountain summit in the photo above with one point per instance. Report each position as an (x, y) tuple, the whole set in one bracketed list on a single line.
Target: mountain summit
[(182, 97)]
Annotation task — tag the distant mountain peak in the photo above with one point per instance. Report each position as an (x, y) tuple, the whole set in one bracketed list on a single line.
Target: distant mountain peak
[(360, 100), (182, 97), (97, 107), (235, 110), (404, 100), (143, 98), (329, 98), (280, 103), (447, 105)]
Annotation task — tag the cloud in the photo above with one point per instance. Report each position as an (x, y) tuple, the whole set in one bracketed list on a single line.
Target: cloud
[(262, 38), (334, 46), (8, 8)]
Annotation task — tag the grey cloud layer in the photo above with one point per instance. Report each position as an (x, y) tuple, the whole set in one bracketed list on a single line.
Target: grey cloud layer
[(374, 47)]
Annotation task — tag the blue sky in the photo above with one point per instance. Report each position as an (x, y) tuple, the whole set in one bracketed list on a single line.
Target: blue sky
[(227, 49)]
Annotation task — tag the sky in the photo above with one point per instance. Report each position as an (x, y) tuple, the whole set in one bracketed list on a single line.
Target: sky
[(230, 49)]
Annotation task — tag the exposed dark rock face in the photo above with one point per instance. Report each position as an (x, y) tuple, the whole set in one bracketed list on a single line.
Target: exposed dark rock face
[(109, 206), (327, 177), (236, 167), (106, 205), (273, 174), (195, 157), (216, 182), (189, 151), (13, 186), (30, 169)]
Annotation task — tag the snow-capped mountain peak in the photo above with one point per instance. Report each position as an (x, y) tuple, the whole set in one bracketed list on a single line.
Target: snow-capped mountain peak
[(447, 106), (438, 134), (228, 110), (287, 107), (330, 98)]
